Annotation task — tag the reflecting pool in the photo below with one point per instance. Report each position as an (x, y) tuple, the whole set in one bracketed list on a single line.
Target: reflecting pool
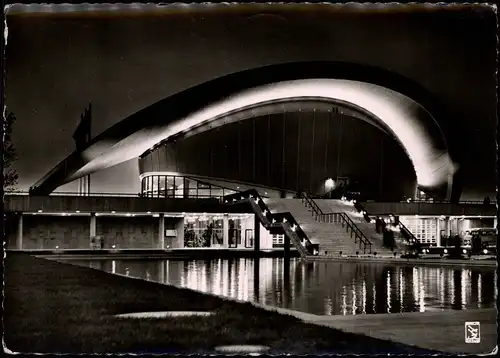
[(324, 288)]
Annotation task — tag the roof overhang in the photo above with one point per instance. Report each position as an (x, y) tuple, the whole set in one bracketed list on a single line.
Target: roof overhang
[(408, 119)]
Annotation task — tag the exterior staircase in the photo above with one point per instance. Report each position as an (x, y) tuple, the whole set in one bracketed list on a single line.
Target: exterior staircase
[(367, 228), (329, 210), (282, 222), (332, 238)]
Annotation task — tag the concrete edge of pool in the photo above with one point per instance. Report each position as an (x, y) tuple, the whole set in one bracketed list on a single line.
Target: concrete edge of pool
[(403, 328), (382, 260)]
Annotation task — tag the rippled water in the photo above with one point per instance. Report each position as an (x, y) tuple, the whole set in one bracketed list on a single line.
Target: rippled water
[(325, 288)]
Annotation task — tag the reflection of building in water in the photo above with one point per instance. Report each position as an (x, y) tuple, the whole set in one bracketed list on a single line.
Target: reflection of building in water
[(388, 280), (323, 288)]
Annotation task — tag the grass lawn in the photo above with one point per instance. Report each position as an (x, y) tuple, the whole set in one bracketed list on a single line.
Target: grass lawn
[(52, 307)]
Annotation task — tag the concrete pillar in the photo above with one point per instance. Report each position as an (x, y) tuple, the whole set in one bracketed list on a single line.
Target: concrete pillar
[(178, 242), (438, 232), (161, 232), (93, 225), (256, 280), (256, 234), (225, 230), (287, 247), (447, 226), (19, 238)]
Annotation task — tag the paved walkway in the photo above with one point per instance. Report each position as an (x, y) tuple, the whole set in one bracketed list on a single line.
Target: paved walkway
[(442, 331)]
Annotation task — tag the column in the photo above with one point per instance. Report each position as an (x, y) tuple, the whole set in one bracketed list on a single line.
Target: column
[(93, 225), (256, 234), (19, 238), (438, 232), (93, 228), (447, 226), (287, 247), (178, 242), (161, 232), (225, 228)]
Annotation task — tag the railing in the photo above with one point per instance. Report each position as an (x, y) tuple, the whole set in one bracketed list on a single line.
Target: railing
[(286, 220), (341, 218), (404, 230), (128, 195), (492, 202), (407, 233), (310, 203)]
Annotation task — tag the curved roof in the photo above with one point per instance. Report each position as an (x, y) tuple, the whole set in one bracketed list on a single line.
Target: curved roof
[(398, 104)]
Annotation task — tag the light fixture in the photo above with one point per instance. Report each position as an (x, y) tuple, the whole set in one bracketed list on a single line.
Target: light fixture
[(485, 251), (329, 184), (129, 214), (78, 211), (113, 212), (57, 247), (149, 212), (40, 211), (113, 246), (464, 251)]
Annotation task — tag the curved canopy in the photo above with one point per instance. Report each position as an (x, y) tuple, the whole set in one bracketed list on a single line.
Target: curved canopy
[(408, 120)]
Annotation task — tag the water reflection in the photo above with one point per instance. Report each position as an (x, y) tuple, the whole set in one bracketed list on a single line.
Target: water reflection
[(322, 288)]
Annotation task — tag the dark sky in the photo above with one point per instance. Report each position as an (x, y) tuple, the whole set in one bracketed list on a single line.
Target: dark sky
[(56, 64)]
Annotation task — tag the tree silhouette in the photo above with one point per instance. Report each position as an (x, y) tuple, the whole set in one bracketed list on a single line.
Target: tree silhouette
[(10, 175)]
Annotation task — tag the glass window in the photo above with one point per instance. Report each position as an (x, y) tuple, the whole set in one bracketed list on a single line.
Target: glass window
[(179, 187), (155, 186), (162, 186), (203, 231), (217, 192), (169, 183), (150, 185), (234, 232)]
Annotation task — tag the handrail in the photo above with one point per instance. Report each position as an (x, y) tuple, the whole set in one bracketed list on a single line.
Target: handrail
[(114, 195), (358, 234), (407, 231), (312, 204), (69, 193), (444, 202), (272, 218)]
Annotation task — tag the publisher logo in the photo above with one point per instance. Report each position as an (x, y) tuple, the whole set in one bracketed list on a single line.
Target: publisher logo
[(472, 332)]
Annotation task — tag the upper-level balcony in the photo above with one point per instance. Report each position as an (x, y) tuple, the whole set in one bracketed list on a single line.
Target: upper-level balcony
[(107, 203)]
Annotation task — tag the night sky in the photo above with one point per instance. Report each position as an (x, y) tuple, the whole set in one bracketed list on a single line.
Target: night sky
[(56, 64)]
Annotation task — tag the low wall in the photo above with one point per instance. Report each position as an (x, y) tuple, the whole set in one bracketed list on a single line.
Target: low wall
[(42, 232)]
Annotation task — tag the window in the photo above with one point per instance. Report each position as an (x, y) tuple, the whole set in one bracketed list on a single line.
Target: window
[(278, 239)]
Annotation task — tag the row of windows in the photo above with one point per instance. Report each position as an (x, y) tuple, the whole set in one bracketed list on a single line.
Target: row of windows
[(170, 186)]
